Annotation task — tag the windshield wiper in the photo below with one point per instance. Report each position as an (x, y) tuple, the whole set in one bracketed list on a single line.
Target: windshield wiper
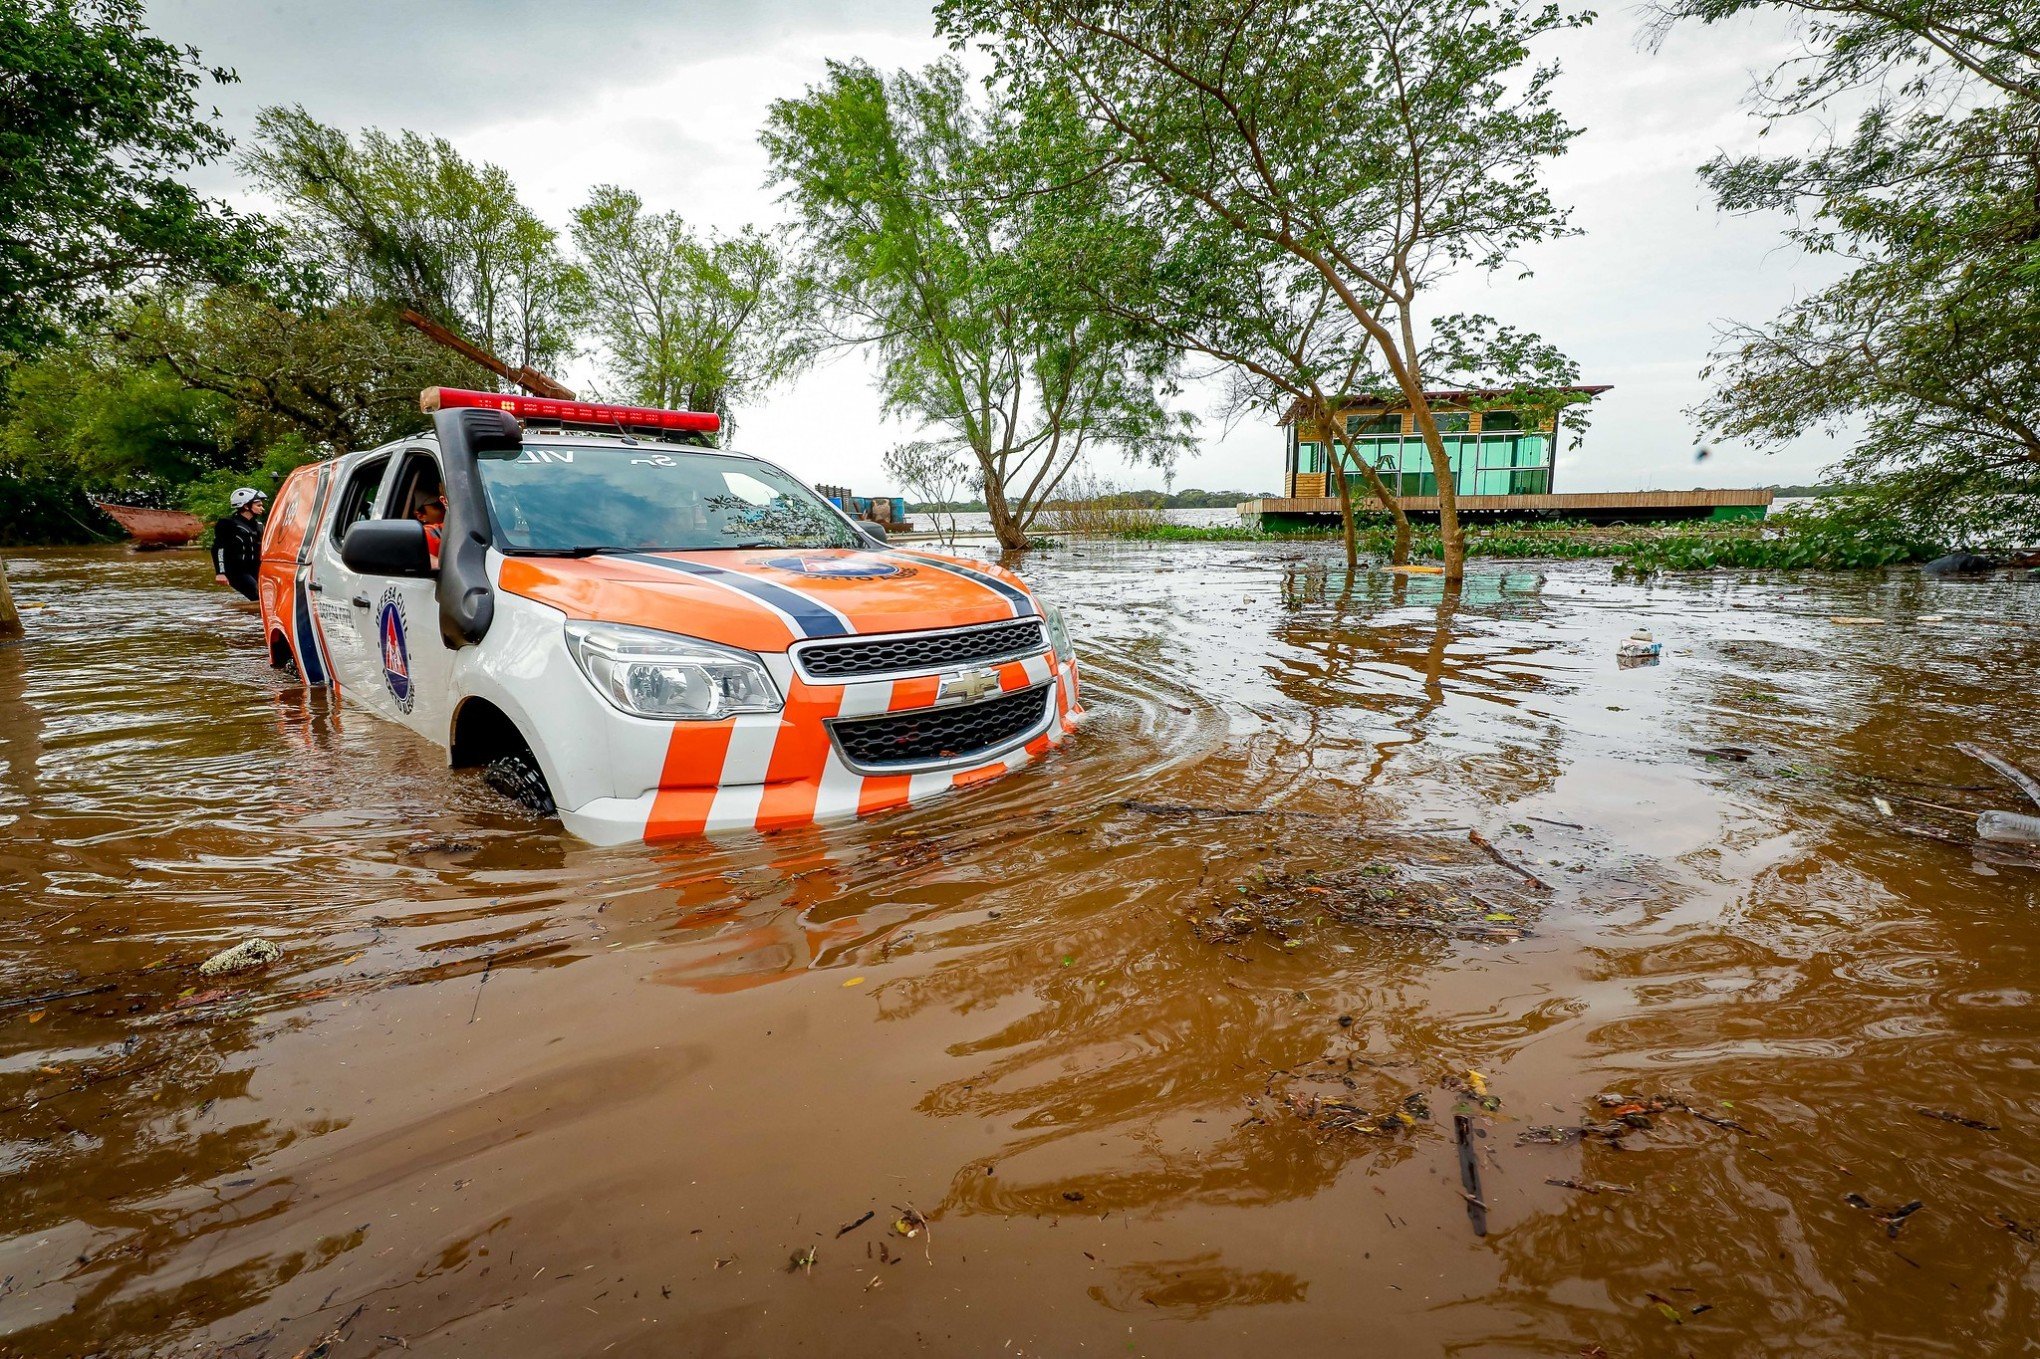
[(563, 551)]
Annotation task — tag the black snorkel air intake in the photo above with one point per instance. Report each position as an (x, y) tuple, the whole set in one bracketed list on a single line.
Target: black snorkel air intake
[(467, 605)]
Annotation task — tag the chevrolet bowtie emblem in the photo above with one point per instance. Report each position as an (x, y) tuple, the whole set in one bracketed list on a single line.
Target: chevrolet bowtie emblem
[(968, 684)]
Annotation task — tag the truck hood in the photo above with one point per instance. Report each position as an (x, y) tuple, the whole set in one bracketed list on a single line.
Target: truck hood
[(764, 599)]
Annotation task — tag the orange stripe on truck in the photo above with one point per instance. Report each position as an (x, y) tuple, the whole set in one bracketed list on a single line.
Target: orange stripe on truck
[(969, 776), (793, 778), (687, 783), (918, 692)]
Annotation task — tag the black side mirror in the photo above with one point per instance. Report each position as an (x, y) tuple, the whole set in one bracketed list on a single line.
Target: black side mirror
[(387, 547), (874, 531)]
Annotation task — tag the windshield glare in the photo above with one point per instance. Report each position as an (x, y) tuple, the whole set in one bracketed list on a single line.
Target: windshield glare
[(650, 498)]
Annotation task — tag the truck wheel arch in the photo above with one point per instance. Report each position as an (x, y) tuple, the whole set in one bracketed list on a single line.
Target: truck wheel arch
[(482, 732), (484, 736)]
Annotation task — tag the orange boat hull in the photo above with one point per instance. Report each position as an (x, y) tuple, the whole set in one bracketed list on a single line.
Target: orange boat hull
[(155, 528)]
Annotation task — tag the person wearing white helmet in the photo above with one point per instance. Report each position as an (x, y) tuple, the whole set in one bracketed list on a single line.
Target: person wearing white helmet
[(237, 541)]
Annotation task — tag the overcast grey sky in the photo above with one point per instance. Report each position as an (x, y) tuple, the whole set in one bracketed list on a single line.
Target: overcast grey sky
[(666, 97)]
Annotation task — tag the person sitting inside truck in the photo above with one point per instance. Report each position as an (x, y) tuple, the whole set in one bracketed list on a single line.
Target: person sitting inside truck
[(432, 514)]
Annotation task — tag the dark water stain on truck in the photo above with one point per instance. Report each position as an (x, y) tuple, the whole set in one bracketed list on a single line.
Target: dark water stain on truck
[(1154, 1048)]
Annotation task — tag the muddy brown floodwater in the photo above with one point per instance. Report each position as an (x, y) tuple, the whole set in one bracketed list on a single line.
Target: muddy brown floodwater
[(1155, 1048)]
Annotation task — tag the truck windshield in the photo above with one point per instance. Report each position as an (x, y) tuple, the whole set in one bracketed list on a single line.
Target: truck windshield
[(650, 498)]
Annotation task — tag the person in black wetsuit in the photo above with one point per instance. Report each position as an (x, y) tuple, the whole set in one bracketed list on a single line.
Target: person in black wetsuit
[(237, 541)]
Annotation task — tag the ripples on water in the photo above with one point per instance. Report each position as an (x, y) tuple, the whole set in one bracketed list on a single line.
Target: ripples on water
[(507, 1091)]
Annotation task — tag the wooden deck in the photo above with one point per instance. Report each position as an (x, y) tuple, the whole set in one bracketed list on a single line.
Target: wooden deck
[(1592, 506)]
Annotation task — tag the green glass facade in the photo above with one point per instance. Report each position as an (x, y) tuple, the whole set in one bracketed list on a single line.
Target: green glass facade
[(1504, 462), (1491, 451)]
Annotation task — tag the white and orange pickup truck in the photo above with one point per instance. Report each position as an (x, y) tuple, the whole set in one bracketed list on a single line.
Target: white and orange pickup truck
[(665, 639)]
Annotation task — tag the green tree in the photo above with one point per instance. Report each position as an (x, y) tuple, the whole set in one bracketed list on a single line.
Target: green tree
[(81, 424), (126, 430), (934, 474), (342, 376), (1928, 346), (1382, 144), (701, 324), (210, 497), (407, 221), (918, 208), (1291, 350), (98, 122)]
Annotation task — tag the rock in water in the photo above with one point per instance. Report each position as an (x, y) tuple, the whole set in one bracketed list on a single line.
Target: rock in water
[(1958, 564), (242, 957)]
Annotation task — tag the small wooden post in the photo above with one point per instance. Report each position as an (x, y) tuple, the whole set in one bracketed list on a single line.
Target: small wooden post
[(10, 620)]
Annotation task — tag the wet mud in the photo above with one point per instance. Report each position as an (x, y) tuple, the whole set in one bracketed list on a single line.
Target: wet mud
[(1191, 1038)]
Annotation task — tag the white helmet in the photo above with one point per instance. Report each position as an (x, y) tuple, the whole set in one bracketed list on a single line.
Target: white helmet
[(245, 497)]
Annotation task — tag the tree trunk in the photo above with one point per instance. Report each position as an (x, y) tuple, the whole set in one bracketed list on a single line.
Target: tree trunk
[(1449, 531), (1448, 488), (1389, 501), (1004, 526), (10, 621), (1346, 521)]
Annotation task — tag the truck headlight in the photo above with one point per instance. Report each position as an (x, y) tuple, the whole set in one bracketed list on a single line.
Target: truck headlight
[(1058, 631), (661, 674)]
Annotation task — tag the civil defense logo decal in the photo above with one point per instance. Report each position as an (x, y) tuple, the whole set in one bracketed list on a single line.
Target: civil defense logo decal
[(396, 649), (822, 566)]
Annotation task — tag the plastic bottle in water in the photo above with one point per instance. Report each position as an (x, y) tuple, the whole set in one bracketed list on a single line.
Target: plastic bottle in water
[(2008, 828)]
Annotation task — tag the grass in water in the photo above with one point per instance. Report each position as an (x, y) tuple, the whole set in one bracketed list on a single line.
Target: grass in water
[(1781, 543), (1090, 508)]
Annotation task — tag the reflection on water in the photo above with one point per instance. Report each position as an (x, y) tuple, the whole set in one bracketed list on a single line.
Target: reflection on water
[(510, 1093)]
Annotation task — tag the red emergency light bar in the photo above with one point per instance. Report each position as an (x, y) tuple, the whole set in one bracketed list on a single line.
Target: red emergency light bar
[(549, 410)]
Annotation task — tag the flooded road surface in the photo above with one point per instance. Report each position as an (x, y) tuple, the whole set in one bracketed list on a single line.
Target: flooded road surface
[(1155, 1048)]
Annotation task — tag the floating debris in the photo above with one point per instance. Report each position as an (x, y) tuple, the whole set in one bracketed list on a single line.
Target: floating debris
[(2019, 778), (1481, 842), (439, 847), (1947, 1117), (1335, 1113), (1184, 809), (2025, 1231), (1473, 1085), (1624, 1114), (2008, 828), (1469, 1174), (242, 957), (1289, 909), (1893, 1216), (1589, 1186), (1640, 646)]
